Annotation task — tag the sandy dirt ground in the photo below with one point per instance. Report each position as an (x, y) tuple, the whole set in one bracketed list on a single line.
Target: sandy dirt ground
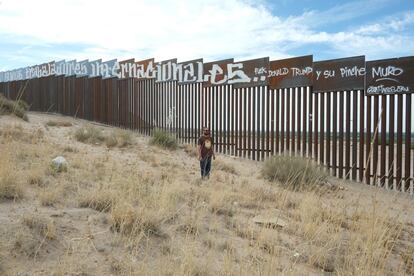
[(198, 227)]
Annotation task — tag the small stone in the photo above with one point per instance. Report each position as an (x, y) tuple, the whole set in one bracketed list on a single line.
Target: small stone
[(60, 163)]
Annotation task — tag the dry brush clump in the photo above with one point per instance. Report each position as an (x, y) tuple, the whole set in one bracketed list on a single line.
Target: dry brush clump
[(10, 186), (95, 135), (119, 138), (143, 205), (50, 196), (132, 221), (101, 200), (294, 172), (17, 108), (58, 123), (89, 134), (16, 133), (345, 238), (163, 139), (136, 205), (35, 176), (21, 160)]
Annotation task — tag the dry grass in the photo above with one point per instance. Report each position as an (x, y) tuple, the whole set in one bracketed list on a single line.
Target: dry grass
[(100, 200), (164, 140), (94, 135), (15, 132), (17, 108), (145, 212), (35, 176), (294, 172), (89, 134), (111, 141), (10, 187), (224, 166), (191, 150), (58, 123), (343, 239), (45, 227), (119, 138), (133, 222), (49, 196)]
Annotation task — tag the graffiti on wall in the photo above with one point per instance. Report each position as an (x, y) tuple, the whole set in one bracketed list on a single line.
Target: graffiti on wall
[(390, 76)]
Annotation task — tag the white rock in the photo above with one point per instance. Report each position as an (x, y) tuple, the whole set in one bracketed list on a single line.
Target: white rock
[(60, 162)]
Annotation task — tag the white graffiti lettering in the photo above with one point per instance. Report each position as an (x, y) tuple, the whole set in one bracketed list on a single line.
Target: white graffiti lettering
[(215, 71), (278, 72), (381, 89), (189, 74), (386, 73), (238, 75), (354, 71), (327, 74), (301, 71), (260, 71)]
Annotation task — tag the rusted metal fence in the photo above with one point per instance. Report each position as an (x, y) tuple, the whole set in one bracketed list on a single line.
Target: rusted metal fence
[(358, 136)]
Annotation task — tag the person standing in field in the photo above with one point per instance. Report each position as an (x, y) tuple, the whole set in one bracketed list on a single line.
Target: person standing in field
[(205, 152)]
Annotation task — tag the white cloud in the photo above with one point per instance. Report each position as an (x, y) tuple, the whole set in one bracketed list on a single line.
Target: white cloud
[(184, 29), (388, 25), (341, 12), (181, 28)]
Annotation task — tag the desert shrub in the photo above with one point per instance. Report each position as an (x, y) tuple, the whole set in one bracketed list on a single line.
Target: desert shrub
[(89, 134), (9, 187), (120, 138), (163, 139), (69, 149), (17, 108), (54, 123), (94, 135), (100, 200), (133, 221), (124, 138), (48, 197), (23, 105), (12, 131), (16, 132), (111, 140), (35, 176), (293, 172)]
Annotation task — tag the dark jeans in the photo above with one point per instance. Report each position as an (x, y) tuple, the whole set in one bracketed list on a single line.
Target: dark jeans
[(205, 166)]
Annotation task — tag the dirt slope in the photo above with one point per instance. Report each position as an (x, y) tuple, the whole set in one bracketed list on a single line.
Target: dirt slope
[(142, 210)]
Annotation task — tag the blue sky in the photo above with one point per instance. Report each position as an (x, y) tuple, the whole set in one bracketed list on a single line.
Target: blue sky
[(34, 32)]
